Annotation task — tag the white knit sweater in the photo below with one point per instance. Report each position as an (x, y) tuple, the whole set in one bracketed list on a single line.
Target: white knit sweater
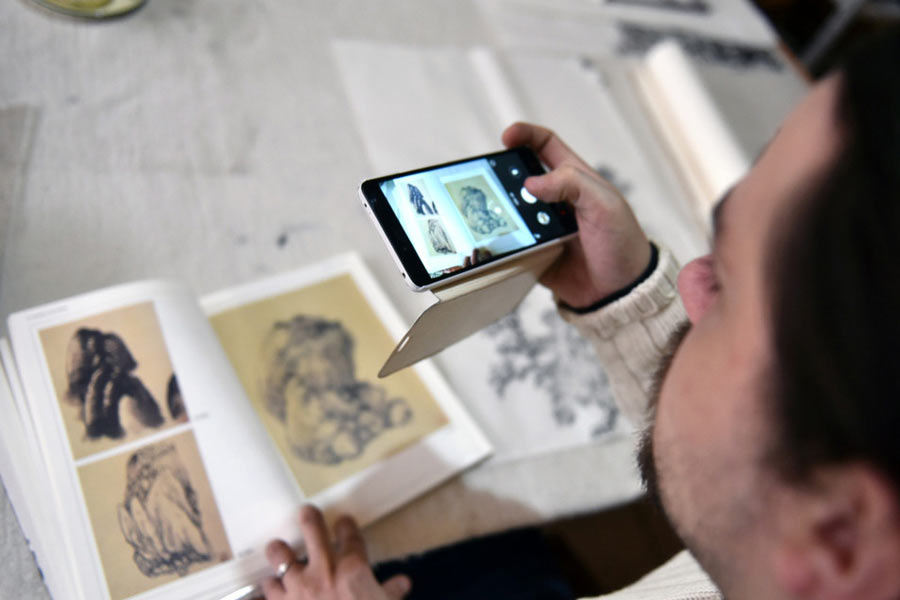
[(630, 336)]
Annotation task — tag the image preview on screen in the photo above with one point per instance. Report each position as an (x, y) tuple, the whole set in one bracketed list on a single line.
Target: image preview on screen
[(451, 212)]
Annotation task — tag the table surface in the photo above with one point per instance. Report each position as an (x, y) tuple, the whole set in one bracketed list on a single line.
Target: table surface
[(215, 142)]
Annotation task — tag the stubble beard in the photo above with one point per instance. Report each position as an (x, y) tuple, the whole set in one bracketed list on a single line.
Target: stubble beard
[(645, 458)]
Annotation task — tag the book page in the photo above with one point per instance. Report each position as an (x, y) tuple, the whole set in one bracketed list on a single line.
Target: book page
[(25, 480), (307, 347), (159, 471), (306, 359)]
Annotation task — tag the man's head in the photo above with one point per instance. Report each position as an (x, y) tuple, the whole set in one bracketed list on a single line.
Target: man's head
[(775, 441)]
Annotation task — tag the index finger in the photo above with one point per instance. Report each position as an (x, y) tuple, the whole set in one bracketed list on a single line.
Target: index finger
[(315, 538), (550, 149), (349, 539)]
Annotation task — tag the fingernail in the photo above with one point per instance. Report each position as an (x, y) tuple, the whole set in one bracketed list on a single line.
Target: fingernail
[(308, 512)]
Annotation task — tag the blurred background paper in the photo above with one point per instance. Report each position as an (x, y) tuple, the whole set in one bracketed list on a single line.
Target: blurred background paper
[(534, 384), (418, 106), (708, 155), (583, 24)]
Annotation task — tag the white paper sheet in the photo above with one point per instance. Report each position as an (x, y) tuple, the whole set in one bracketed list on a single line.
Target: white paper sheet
[(534, 383), (704, 145), (430, 104), (753, 102)]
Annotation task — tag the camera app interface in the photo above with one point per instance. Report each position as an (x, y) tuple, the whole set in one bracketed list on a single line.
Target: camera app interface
[(470, 211)]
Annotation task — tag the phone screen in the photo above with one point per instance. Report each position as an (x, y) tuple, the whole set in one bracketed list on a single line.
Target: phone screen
[(473, 209)]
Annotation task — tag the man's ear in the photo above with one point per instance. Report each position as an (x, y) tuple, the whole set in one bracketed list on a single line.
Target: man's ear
[(840, 537)]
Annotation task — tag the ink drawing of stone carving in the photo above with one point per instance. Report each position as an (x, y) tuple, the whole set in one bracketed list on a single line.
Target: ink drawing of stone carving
[(482, 210), (113, 378), (160, 517), (99, 372), (436, 237), (153, 515), (556, 364), (312, 388), (419, 204), (308, 359)]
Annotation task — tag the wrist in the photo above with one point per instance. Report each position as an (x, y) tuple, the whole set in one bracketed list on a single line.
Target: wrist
[(607, 299)]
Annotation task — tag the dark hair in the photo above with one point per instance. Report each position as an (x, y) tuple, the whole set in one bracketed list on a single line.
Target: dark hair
[(836, 286)]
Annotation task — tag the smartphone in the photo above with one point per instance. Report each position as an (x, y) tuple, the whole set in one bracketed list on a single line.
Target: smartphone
[(447, 221)]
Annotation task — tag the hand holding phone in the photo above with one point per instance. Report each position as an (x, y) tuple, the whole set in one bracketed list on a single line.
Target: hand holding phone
[(611, 250), (451, 220)]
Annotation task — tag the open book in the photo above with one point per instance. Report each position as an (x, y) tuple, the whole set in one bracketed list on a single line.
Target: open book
[(152, 443)]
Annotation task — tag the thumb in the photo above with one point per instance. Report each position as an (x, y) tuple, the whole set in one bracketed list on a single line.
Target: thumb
[(563, 184), (397, 587)]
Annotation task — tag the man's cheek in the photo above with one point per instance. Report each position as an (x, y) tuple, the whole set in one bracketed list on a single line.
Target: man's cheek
[(689, 418)]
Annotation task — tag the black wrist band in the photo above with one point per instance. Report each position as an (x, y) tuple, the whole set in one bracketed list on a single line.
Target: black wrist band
[(651, 266)]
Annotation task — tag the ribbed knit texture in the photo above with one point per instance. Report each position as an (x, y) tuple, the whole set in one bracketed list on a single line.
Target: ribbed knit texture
[(630, 336), (681, 578), (631, 333)]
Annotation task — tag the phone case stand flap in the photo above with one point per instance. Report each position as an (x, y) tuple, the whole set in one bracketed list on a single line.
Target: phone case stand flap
[(467, 306)]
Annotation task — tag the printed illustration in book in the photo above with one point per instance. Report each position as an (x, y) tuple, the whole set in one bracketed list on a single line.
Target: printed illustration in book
[(113, 378), (153, 515), (151, 509), (308, 360)]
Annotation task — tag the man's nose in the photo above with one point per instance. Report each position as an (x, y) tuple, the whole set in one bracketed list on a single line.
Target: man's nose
[(697, 286)]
